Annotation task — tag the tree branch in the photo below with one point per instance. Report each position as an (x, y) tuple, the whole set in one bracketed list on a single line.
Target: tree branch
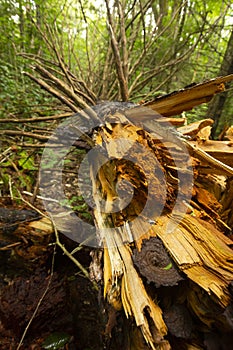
[(121, 77)]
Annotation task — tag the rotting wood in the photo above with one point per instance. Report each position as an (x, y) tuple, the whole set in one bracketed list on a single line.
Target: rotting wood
[(122, 283), (178, 122), (197, 151)]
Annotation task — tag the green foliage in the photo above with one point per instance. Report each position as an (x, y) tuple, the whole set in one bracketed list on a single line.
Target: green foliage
[(56, 341), (17, 173), (180, 42), (17, 34), (78, 204), (197, 113), (26, 161)]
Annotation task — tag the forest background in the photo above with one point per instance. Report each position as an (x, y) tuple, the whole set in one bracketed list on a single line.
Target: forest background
[(122, 50), (60, 56)]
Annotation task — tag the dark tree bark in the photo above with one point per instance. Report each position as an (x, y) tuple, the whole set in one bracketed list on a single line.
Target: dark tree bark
[(216, 106)]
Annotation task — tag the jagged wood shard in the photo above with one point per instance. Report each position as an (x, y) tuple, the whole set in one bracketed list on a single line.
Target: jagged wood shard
[(187, 98)]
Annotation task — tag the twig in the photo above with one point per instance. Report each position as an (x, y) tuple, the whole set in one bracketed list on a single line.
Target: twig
[(39, 145), (41, 197), (9, 246), (118, 63), (52, 91), (70, 256), (123, 41), (5, 154), (104, 88), (65, 251), (35, 120), (24, 133), (61, 85), (31, 205), (86, 39)]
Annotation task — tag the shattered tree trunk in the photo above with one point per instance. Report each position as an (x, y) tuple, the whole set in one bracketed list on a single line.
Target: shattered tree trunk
[(177, 286), (193, 260), (195, 251)]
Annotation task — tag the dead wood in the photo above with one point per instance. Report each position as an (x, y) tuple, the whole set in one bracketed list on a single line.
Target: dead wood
[(35, 120), (53, 92), (24, 133), (194, 128), (186, 99), (178, 122), (197, 249), (198, 152), (159, 280), (221, 150)]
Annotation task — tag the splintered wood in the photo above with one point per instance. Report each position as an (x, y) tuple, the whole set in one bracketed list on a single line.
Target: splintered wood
[(202, 253), (123, 286), (186, 99), (195, 252)]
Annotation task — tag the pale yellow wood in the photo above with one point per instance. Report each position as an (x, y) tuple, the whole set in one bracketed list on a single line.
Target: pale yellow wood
[(200, 251), (210, 282), (177, 243), (221, 150), (43, 225), (193, 128)]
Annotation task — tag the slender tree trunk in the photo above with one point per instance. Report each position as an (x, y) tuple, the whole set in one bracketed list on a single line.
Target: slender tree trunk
[(216, 106), (21, 26)]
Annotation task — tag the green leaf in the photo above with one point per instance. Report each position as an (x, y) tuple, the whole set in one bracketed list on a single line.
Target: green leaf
[(56, 340), (168, 267), (81, 207), (26, 162), (87, 216)]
